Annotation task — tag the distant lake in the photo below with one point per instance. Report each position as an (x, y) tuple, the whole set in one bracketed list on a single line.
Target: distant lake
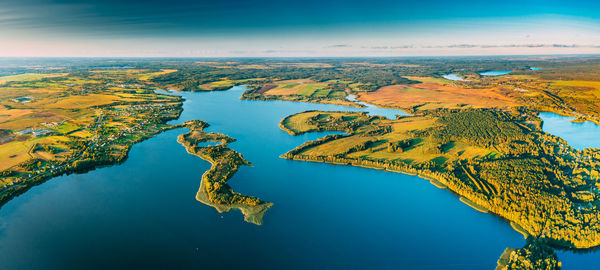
[(494, 73), (453, 77), (534, 68), (143, 213)]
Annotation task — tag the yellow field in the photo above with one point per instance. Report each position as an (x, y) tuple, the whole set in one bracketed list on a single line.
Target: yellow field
[(10, 114), (582, 84), (217, 85), (302, 87), (28, 77), (79, 102), (423, 149), (82, 134), (15, 152), (337, 146), (146, 77), (433, 93), (580, 87)]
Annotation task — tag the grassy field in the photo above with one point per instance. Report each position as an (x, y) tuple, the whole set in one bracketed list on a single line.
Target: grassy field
[(295, 87), (28, 77), (435, 93), (224, 84), (422, 149)]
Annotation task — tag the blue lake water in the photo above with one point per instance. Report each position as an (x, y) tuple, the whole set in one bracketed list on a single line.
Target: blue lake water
[(494, 73), (580, 136), (534, 68), (209, 143), (374, 110), (143, 213), (453, 77)]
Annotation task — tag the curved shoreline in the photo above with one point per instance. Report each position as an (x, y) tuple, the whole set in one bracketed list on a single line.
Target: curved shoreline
[(18, 189), (474, 205)]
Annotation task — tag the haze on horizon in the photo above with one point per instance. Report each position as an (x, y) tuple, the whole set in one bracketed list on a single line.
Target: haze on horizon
[(296, 28)]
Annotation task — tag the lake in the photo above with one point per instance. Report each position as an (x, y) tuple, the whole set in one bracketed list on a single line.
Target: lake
[(143, 213), (578, 135), (494, 73), (453, 77)]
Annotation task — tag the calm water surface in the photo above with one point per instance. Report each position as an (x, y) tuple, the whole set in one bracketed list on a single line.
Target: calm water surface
[(453, 77), (374, 110), (494, 73), (143, 214), (579, 135)]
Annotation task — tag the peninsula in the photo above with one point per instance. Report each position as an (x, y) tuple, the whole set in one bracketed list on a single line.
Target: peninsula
[(214, 190), (497, 160)]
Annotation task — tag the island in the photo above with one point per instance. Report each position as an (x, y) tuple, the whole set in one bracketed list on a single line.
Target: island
[(214, 190)]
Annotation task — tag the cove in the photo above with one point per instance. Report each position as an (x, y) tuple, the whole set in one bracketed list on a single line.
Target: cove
[(374, 110), (143, 213), (578, 135)]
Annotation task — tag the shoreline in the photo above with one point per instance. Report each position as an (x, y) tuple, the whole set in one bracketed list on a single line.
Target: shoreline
[(474, 205), (18, 189), (518, 228)]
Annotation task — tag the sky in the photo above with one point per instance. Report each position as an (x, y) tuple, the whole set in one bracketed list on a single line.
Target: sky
[(296, 28)]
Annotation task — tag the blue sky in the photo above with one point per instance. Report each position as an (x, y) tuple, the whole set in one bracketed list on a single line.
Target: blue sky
[(296, 27)]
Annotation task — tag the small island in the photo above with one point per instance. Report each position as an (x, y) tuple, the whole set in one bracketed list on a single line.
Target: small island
[(214, 190)]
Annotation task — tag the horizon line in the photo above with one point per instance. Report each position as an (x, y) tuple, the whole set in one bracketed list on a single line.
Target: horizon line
[(296, 57)]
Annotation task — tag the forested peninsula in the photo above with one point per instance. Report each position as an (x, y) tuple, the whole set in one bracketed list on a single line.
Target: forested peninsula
[(214, 190), (499, 160)]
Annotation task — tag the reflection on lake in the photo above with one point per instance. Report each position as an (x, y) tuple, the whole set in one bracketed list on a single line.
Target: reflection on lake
[(494, 73)]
